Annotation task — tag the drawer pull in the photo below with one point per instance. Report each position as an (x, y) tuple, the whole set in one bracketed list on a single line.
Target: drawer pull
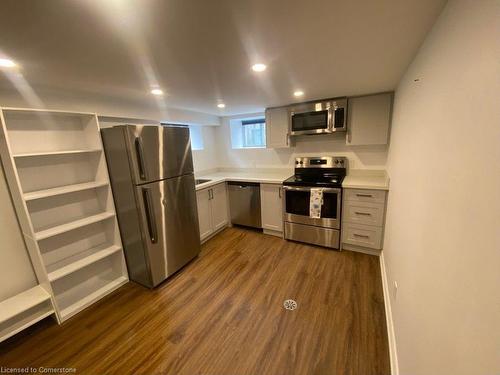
[(364, 195), (363, 213), (360, 235)]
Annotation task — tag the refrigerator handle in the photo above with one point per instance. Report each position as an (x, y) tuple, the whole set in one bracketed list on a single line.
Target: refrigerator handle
[(139, 149), (150, 217)]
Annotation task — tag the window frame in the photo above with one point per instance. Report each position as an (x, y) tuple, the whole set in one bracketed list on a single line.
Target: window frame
[(244, 134)]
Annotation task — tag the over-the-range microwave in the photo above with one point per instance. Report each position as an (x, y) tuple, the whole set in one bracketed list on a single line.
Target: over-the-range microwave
[(322, 117)]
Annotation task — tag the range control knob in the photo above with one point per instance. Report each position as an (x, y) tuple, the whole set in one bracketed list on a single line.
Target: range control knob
[(336, 161)]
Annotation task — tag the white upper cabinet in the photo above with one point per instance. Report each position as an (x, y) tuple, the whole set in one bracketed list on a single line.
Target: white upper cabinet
[(369, 119), (277, 128), (271, 207)]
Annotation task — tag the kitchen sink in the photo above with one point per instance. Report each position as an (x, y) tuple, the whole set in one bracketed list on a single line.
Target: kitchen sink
[(200, 181)]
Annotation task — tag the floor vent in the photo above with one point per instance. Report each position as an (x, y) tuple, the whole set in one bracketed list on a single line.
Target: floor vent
[(290, 304)]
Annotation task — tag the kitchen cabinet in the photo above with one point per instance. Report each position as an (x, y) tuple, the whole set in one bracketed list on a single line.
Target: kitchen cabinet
[(271, 208), (219, 207), (277, 128), (204, 213), (363, 216), (368, 119), (212, 210)]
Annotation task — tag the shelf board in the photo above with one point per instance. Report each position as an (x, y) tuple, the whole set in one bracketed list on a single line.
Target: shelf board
[(55, 153), (25, 323), (75, 308), (59, 229), (24, 301), (63, 190), (78, 261)]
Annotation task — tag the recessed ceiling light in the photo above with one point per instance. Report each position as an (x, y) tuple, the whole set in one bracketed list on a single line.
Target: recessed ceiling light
[(157, 92), (6, 63), (221, 105), (259, 67), (298, 93)]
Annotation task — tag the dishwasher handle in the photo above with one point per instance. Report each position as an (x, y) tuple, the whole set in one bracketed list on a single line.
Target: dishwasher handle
[(242, 185)]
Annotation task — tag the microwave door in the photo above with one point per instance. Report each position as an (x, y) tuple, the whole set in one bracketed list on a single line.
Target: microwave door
[(314, 122), (158, 152)]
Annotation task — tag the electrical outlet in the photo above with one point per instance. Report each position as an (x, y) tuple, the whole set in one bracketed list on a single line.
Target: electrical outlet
[(395, 289)]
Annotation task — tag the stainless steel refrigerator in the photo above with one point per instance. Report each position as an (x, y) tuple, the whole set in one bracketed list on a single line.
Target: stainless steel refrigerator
[(152, 177)]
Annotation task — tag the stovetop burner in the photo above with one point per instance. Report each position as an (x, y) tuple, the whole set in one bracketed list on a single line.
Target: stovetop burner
[(309, 181), (323, 171)]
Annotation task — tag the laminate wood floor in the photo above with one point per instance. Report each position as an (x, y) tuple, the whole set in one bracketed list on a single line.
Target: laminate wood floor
[(223, 314)]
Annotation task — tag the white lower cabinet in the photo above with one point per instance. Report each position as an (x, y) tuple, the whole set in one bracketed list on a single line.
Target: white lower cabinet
[(204, 213), (271, 207), (363, 216), (212, 209), (362, 235), (219, 206)]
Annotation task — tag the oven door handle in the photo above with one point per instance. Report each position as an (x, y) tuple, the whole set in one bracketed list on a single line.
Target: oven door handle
[(300, 188)]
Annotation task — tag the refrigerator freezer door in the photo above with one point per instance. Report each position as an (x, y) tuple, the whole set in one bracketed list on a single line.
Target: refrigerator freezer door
[(169, 219), (158, 152)]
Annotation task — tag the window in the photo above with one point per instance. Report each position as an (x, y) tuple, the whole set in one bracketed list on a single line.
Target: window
[(254, 133), (196, 134), (248, 132)]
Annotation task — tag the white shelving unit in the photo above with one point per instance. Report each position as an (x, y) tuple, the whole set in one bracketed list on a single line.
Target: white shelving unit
[(57, 174)]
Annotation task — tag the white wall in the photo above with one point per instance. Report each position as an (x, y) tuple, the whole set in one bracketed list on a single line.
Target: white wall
[(442, 242), (368, 157), (207, 158), (16, 272)]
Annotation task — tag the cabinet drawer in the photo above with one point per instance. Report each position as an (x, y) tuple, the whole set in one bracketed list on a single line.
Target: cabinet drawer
[(362, 235), (363, 213), (364, 195)]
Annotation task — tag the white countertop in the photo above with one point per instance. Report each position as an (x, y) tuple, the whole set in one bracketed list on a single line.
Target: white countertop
[(366, 179), (356, 179), (263, 177)]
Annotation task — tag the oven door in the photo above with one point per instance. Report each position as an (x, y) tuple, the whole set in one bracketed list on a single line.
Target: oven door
[(296, 202)]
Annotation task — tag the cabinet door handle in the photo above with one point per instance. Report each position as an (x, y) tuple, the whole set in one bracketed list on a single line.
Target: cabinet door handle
[(279, 192), (363, 213), (360, 235), (364, 195)]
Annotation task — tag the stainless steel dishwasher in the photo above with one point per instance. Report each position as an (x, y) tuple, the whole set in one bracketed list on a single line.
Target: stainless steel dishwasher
[(244, 203)]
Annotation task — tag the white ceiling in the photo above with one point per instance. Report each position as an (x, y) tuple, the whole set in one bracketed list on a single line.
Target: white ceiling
[(200, 51)]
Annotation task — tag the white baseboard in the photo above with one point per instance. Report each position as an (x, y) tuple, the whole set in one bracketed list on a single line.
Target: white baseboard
[(388, 316), (214, 234), (359, 249)]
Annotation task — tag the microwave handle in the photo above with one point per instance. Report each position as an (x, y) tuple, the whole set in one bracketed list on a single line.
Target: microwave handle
[(331, 118)]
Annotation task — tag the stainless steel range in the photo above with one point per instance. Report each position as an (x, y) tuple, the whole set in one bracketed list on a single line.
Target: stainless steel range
[(314, 175)]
